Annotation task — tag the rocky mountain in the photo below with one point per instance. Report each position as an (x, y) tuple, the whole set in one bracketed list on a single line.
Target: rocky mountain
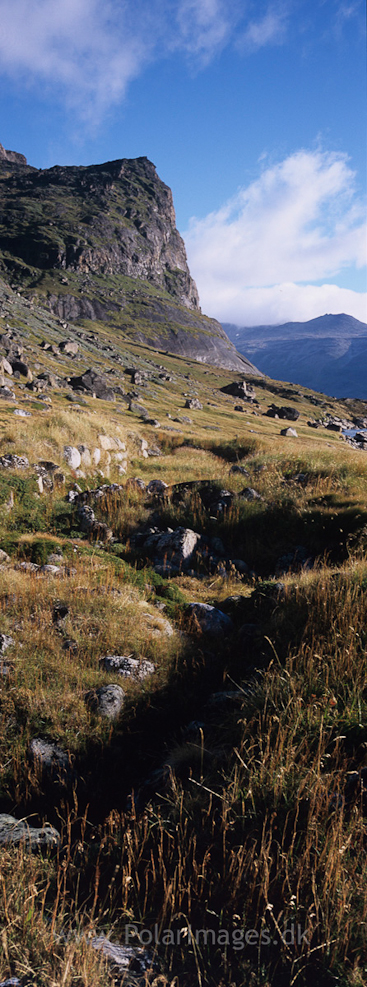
[(100, 244), (328, 353)]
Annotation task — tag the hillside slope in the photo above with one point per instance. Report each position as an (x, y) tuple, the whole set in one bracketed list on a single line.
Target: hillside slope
[(328, 353), (100, 243)]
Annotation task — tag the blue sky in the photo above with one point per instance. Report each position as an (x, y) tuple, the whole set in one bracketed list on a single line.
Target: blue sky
[(252, 111)]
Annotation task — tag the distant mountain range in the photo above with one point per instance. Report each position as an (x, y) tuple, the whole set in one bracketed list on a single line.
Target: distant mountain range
[(328, 354)]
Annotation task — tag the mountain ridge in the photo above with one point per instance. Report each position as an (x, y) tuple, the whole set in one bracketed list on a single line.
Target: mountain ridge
[(328, 353), (99, 243)]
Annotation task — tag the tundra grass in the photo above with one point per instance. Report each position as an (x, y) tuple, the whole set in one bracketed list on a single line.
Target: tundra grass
[(243, 812)]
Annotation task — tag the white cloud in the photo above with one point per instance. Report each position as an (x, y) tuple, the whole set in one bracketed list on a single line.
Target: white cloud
[(270, 29), (300, 221), (286, 303), (86, 52)]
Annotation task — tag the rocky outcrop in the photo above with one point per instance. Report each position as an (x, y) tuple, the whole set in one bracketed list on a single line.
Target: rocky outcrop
[(114, 218), (100, 243)]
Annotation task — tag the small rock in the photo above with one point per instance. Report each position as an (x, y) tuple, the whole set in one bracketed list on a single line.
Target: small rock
[(127, 666), (108, 701), (72, 457), (250, 494), (290, 432), (6, 394), (15, 831), (193, 404), (69, 347), (49, 759), (59, 611), (21, 413), (50, 570), (70, 645), (239, 469), (124, 957), (5, 642), (210, 620), (156, 487), (10, 461), (86, 459)]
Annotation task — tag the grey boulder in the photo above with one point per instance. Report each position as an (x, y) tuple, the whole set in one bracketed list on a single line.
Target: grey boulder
[(14, 831), (107, 701), (209, 620), (127, 666)]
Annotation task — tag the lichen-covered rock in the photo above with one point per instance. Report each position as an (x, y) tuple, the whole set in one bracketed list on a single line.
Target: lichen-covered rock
[(175, 547), (107, 701), (10, 461), (69, 346), (72, 457), (50, 760), (194, 404), (127, 666), (17, 831)]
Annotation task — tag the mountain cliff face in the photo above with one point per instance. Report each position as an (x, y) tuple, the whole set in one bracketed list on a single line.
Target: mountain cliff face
[(328, 354), (100, 243)]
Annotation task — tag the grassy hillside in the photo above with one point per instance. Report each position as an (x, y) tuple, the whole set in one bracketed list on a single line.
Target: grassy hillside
[(229, 795)]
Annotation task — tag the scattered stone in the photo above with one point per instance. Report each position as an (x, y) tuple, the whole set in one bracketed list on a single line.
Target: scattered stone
[(108, 443), (93, 384), (173, 547), (5, 642), (6, 367), (209, 620), (10, 461), (289, 432), (135, 958), (69, 347), (127, 666), (108, 701), (156, 487), (14, 831), (290, 414), (88, 522), (49, 570), (239, 389), (250, 494), (21, 368), (49, 759), (47, 465), (334, 427), (138, 409), (59, 612), (239, 469), (6, 394), (293, 561), (72, 457), (85, 456), (193, 404), (26, 566), (21, 413), (70, 645)]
